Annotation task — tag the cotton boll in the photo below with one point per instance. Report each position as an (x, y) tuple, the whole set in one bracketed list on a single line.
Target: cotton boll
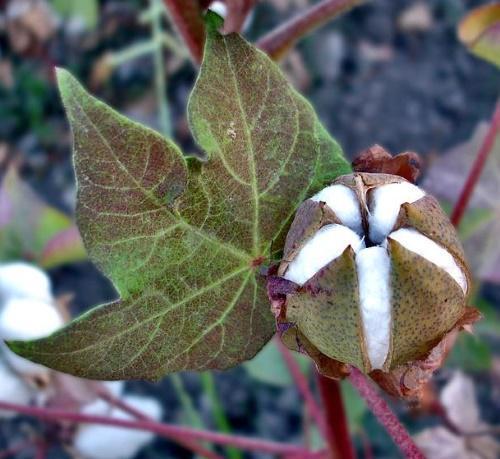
[(26, 319), (105, 442), (22, 280), (12, 390), (373, 268), (328, 243), (344, 202), (385, 206), (416, 242)]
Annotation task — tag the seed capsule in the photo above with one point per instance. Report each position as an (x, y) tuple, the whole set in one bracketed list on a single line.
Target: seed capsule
[(377, 276)]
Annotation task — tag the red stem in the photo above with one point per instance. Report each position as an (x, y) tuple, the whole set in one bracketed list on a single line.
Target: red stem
[(277, 42), (338, 432), (187, 18), (164, 430), (303, 387), (477, 168), (189, 445), (379, 407)]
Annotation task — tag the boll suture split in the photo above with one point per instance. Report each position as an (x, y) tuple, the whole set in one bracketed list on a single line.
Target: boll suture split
[(373, 275)]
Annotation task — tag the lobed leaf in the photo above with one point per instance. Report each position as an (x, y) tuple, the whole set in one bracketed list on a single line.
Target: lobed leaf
[(183, 240)]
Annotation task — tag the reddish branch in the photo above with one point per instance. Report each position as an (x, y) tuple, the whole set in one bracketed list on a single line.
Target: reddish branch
[(338, 436), (379, 407), (303, 387), (477, 168), (277, 42), (187, 18), (172, 432), (189, 445)]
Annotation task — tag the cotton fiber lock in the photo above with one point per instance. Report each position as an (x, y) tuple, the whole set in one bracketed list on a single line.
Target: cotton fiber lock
[(379, 271)]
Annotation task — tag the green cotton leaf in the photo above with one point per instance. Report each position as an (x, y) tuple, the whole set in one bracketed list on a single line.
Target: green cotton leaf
[(268, 366), (183, 241), (32, 230)]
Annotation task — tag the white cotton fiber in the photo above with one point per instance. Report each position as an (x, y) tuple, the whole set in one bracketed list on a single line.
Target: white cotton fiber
[(416, 242), (385, 206), (25, 319), (344, 202), (373, 268), (22, 280), (105, 442), (327, 244), (13, 390), (219, 7)]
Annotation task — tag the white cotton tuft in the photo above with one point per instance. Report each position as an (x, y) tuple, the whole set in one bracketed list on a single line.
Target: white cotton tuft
[(26, 319), (385, 206), (105, 442), (344, 202), (416, 242), (22, 280), (115, 388), (327, 244), (373, 268), (13, 390), (219, 7)]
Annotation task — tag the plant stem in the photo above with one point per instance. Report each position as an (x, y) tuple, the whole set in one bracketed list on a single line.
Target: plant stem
[(338, 436), (159, 69), (170, 431), (379, 407), (221, 421), (187, 19), (477, 168), (189, 445), (277, 42), (303, 387), (186, 401)]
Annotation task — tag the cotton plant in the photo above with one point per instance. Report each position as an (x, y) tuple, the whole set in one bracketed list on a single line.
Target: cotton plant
[(28, 311)]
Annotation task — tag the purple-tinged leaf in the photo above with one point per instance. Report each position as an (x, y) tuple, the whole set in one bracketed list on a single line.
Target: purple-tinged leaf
[(184, 241), (28, 226), (480, 32)]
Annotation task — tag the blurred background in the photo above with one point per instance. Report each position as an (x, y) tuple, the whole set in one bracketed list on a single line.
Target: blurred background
[(392, 73)]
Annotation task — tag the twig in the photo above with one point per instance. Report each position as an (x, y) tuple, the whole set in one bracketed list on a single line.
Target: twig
[(277, 42), (165, 430), (189, 445), (379, 407), (186, 17), (477, 168), (303, 387), (338, 432)]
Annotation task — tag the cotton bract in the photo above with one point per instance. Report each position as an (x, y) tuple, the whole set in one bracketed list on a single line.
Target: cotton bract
[(379, 271)]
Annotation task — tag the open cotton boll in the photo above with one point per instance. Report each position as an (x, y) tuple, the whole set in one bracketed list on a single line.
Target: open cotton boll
[(412, 240), (344, 202), (328, 243), (373, 268), (385, 206), (105, 442), (26, 319), (13, 390), (22, 280)]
